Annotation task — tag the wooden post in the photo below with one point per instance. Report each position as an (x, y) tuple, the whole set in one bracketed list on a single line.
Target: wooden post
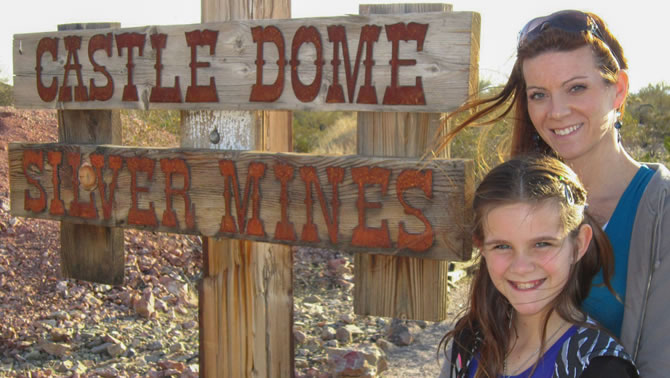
[(246, 294), (91, 253), (390, 286)]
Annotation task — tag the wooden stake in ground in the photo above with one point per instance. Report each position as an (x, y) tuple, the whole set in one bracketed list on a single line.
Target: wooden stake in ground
[(246, 295), (403, 287), (90, 253)]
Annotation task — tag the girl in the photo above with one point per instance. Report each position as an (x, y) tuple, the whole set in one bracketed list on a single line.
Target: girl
[(539, 250), (567, 92)]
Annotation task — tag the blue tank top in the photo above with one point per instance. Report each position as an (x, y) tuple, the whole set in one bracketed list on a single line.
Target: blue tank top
[(545, 367), (601, 303)]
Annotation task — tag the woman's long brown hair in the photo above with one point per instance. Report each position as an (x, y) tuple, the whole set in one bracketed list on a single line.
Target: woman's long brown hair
[(536, 180), (511, 99)]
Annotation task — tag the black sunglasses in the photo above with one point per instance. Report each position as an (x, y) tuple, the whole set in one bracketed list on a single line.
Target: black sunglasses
[(567, 20)]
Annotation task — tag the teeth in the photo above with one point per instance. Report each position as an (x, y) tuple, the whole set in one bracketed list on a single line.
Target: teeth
[(567, 130), (526, 285)]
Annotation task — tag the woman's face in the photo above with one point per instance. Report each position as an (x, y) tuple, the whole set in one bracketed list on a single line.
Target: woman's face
[(570, 104), (529, 254)]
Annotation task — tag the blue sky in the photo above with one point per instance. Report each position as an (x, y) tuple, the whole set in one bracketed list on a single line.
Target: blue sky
[(638, 25)]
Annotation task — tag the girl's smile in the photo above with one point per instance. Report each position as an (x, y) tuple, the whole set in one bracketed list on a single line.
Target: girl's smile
[(529, 255)]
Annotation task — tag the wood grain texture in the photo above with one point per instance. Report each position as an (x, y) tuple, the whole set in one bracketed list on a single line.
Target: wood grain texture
[(400, 286), (246, 301), (186, 190), (90, 252), (444, 64)]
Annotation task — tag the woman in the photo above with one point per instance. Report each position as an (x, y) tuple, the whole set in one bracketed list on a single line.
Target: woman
[(539, 250), (567, 90)]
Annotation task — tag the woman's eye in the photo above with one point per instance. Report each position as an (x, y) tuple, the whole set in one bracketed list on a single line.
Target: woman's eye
[(501, 247), (577, 88), (536, 96), (542, 244)]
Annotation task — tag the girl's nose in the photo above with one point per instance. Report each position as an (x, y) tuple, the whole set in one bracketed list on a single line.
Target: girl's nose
[(522, 264)]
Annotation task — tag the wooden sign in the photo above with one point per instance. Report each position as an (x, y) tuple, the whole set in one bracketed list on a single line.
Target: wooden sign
[(382, 205), (413, 62)]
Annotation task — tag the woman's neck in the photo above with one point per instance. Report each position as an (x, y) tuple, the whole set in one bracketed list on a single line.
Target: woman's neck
[(605, 174)]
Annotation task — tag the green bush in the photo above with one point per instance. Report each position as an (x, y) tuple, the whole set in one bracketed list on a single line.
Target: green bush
[(6, 94)]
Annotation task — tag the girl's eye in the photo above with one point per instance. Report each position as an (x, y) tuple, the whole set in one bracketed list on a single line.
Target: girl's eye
[(536, 96), (543, 244), (501, 247)]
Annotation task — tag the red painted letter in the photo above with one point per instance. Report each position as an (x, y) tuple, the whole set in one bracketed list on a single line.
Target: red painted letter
[(195, 92), (49, 45), (404, 95), (306, 93), (36, 158), (55, 159), (160, 93), (284, 229), (144, 217), (178, 166), (367, 94), (100, 42), (261, 92), (72, 44), (364, 236), (129, 41), (335, 177), (115, 163), (415, 179), (229, 172), (79, 209)]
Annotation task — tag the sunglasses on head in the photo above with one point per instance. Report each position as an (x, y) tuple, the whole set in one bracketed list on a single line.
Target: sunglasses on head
[(568, 20)]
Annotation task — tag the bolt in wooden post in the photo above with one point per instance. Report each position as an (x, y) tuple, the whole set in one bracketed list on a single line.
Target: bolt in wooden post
[(91, 253)]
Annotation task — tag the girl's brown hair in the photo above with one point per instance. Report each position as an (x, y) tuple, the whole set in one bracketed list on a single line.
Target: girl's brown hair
[(511, 100), (536, 180)]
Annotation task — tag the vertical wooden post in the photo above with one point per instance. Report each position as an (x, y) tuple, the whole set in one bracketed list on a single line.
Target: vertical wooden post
[(400, 287), (246, 294), (91, 253)]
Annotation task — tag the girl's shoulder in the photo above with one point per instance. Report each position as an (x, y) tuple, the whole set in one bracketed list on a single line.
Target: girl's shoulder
[(588, 342)]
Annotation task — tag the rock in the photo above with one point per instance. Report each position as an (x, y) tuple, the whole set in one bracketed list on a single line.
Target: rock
[(177, 348), (55, 349), (400, 333), (299, 337), (60, 335), (312, 299), (116, 350), (155, 345), (189, 324), (100, 348), (145, 305), (384, 345), (328, 333), (106, 372), (364, 361), (65, 366), (343, 335), (348, 318)]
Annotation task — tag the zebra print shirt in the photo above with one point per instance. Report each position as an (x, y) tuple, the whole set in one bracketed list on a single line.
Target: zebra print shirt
[(574, 357)]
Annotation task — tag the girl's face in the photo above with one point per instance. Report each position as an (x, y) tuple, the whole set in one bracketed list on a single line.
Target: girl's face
[(570, 104), (529, 255)]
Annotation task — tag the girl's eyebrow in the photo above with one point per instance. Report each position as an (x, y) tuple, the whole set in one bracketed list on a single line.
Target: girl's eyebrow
[(537, 239)]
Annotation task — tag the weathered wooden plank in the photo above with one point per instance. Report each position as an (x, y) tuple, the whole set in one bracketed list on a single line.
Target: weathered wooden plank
[(385, 205), (411, 62), (90, 252), (403, 286), (266, 349)]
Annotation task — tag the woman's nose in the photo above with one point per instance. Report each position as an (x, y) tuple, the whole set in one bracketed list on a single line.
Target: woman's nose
[(559, 107)]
